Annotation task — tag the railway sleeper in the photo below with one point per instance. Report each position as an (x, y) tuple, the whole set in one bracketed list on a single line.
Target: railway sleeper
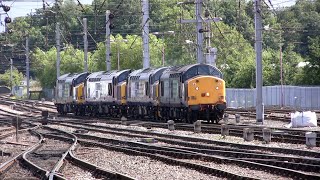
[(165, 159), (279, 170), (192, 139)]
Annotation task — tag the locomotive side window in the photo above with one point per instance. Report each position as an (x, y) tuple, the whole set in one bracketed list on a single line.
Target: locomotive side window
[(166, 89), (147, 88), (70, 91), (162, 88), (136, 89), (109, 89)]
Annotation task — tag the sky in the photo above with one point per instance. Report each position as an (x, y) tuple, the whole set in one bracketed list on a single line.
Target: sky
[(24, 7)]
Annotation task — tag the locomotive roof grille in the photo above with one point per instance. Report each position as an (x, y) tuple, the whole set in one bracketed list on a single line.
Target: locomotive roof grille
[(176, 75), (135, 77), (94, 79)]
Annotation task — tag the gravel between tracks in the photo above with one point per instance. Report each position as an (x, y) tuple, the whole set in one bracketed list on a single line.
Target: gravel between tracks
[(48, 154), (232, 139), (225, 167), (73, 172), (239, 170), (17, 172), (14, 149), (139, 167), (216, 137)]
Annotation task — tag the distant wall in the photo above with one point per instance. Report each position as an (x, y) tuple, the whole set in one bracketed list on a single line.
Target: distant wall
[(292, 96)]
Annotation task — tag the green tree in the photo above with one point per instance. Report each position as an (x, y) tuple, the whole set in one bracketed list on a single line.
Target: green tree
[(17, 77), (44, 63), (235, 56), (130, 50)]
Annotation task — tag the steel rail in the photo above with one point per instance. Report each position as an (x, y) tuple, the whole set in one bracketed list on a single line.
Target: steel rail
[(201, 168), (178, 154), (193, 139), (69, 155), (4, 166)]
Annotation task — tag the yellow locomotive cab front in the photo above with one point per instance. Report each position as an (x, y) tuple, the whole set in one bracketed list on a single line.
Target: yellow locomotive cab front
[(205, 90)]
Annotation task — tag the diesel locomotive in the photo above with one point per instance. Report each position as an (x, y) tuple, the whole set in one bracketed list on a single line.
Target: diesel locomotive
[(182, 93)]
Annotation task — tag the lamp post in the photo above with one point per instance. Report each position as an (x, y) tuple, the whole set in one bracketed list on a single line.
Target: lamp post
[(163, 45)]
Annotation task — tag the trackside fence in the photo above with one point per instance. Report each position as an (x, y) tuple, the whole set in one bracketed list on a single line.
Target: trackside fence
[(298, 97)]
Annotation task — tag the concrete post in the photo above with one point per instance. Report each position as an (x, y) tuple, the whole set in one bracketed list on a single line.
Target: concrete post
[(171, 125), (311, 139), (199, 34), (85, 43), (27, 66), (108, 33), (124, 121), (226, 118), (248, 134), (266, 135), (197, 126), (237, 118), (145, 33), (224, 130), (258, 48), (58, 55)]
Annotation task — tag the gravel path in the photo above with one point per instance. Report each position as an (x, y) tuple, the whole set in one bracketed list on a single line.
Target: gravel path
[(73, 172), (138, 167)]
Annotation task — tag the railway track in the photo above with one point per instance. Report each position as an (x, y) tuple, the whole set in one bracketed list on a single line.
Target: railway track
[(283, 135), (215, 158), (45, 159), (10, 166), (196, 150)]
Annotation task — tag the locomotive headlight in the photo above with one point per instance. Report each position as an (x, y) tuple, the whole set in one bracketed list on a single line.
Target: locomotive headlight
[(207, 94), (217, 88)]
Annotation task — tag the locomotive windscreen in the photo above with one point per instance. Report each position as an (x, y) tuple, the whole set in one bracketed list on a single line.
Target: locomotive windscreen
[(201, 70)]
